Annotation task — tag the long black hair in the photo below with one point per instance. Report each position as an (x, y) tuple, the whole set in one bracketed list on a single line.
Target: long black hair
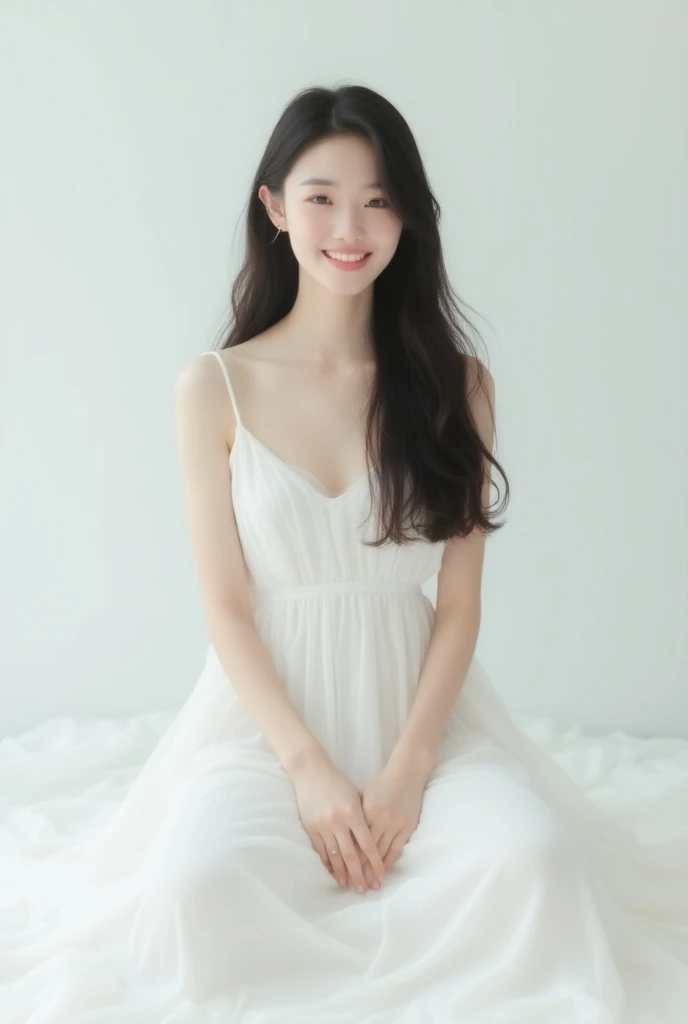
[(419, 420)]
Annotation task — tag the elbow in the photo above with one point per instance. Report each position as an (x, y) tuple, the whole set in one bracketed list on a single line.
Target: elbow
[(225, 617)]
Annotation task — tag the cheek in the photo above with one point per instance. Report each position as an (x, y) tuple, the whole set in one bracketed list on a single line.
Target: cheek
[(311, 226), (387, 230)]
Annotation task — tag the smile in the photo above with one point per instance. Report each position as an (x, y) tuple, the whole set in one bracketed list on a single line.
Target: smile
[(347, 261)]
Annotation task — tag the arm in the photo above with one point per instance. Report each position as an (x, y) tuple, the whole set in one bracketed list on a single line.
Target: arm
[(457, 620), (201, 415)]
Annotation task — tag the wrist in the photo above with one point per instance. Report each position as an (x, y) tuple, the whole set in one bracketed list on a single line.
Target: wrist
[(418, 760), (311, 757)]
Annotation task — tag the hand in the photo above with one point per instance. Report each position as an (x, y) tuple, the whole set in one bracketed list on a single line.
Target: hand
[(331, 812), (391, 804)]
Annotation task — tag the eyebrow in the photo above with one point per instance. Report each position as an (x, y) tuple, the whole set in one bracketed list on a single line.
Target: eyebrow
[(326, 181)]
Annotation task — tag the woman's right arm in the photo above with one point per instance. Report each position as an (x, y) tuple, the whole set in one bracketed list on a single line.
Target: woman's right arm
[(200, 403), (328, 802)]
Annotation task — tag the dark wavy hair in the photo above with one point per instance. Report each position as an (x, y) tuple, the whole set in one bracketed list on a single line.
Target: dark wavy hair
[(419, 420)]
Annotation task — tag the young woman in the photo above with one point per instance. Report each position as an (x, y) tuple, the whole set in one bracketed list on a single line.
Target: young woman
[(343, 824)]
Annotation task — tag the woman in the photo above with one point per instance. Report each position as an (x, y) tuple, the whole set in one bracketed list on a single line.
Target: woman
[(343, 823)]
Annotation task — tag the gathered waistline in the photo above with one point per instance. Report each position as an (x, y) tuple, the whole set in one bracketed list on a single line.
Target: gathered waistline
[(339, 587)]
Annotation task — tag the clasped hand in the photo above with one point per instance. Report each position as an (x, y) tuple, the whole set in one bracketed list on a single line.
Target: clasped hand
[(369, 828)]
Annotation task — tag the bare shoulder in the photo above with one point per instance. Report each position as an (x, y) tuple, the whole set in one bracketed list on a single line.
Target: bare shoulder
[(241, 361), (200, 385), (200, 399), (202, 371), (196, 376), (200, 389)]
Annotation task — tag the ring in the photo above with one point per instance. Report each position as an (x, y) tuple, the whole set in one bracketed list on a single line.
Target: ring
[(335, 850)]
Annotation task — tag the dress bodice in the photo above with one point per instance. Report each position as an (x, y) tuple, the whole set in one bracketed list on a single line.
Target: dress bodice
[(295, 535)]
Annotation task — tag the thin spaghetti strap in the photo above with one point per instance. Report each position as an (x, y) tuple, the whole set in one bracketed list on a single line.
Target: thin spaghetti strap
[(229, 384)]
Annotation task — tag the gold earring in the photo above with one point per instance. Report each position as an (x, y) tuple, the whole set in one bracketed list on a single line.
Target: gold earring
[(278, 231)]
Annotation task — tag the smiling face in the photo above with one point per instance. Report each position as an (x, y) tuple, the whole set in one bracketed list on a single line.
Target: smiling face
[(333, 203)]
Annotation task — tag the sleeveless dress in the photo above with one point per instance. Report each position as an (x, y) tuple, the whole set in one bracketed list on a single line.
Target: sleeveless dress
[(515, 901)]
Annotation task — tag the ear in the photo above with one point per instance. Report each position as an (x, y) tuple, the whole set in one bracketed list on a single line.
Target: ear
[(274, 210)]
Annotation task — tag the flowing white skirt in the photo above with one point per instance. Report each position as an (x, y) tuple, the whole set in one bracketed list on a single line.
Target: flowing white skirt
[(517, 900)]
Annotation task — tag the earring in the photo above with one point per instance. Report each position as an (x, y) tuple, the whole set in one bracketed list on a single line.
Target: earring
[(278, 231)]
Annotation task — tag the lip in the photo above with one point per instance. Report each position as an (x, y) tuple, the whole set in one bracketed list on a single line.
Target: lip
[(348, 265)]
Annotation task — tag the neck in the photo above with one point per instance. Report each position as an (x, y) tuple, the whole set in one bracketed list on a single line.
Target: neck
[(328, 329)]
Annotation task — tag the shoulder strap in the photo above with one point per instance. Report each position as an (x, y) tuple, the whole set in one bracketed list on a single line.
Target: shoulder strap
[(229, 385)]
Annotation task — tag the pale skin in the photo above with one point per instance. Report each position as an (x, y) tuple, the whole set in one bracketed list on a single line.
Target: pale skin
[(302, 387)]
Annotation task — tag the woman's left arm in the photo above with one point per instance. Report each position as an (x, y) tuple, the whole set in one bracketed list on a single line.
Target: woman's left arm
[(457, 618), (392, 801)]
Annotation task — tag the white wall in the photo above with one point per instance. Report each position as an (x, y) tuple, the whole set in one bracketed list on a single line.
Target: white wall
[(554, 136)]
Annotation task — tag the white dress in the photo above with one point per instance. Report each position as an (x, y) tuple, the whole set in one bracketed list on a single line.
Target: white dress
[(515, 901)]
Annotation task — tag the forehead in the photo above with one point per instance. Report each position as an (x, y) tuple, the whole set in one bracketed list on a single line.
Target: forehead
[(335, 162)]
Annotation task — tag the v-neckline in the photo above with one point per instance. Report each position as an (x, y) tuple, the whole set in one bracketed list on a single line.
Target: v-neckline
[(298, 471)]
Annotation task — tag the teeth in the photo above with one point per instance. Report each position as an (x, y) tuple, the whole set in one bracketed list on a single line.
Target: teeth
[(346, 257)]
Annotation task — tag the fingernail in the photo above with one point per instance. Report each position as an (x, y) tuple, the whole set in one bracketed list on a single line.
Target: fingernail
[(360, 889)]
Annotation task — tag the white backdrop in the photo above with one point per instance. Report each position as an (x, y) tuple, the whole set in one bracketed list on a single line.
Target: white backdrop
[(554, 135)]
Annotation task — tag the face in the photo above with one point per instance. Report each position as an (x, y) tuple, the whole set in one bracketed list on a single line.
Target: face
[(350, 212)]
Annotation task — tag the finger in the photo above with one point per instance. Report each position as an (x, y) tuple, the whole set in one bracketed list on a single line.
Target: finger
[(370, 849), (384, 843), (352, 860), (335, 859), (370, 876), (390, 859), (318, 844), (368, 872), (395, 850)]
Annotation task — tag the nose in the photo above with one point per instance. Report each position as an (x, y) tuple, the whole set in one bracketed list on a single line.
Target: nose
[(348, 227)]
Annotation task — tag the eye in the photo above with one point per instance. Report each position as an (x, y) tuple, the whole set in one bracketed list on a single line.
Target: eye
[(378, 200)]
